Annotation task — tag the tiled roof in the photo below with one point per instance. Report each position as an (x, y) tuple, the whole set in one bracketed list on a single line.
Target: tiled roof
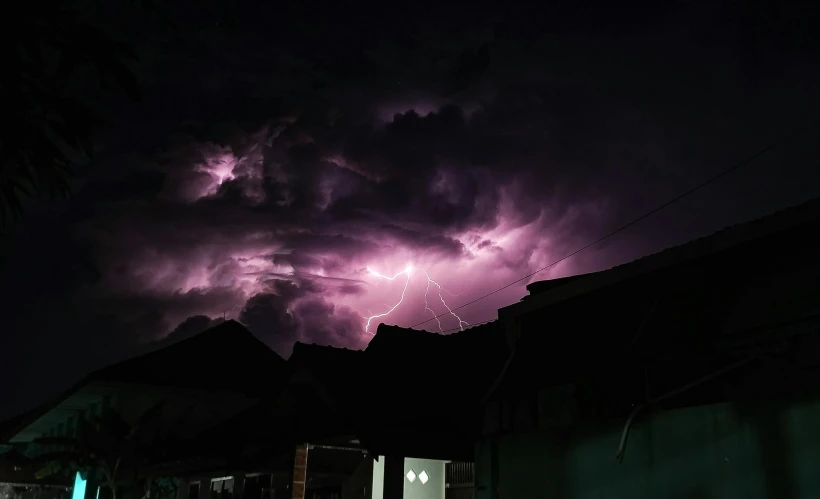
[(339, 369), (339, 376), (394, 342)]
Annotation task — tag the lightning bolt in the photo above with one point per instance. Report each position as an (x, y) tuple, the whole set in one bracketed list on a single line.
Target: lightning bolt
[(407, 271), (403, 291), (427, 306), (461, 323)]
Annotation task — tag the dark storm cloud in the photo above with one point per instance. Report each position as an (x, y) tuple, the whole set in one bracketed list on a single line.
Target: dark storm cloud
[(280, 318), (325, 183), (273, 163)]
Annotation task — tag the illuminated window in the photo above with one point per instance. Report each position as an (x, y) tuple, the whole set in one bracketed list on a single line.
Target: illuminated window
[(423, 477), (411, 475)]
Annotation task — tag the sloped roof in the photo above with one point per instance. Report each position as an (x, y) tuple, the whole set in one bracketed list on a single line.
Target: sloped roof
[(11, 426), (678, 314), (563, 289), (403, 350), (339, 369), (409, 391), (226, 357), (538, 287), (286, 416), (16, 468)]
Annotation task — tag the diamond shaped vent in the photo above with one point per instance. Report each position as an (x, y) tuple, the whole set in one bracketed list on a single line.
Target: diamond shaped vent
[(423, 477)]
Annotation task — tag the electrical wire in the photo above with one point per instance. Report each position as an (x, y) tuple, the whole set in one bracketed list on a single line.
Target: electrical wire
[(718, 176)]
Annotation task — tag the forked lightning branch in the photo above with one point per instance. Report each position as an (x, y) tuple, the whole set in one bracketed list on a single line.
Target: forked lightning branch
[(407, 272)]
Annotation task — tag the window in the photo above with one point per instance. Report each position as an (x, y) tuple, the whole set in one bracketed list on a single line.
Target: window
[(227, 489), (216, 489), (411, 475), (222, 488), (256, 485)]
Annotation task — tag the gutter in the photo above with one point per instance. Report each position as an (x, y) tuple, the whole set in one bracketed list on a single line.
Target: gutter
[(619, 455)]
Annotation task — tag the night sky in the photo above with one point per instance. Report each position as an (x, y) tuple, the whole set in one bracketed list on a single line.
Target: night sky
[(284, 156)]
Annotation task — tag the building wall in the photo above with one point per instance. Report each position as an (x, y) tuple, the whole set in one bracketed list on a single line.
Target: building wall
[(187, 411), (433, 488), (198, 410), (721, 451), (359, 485)]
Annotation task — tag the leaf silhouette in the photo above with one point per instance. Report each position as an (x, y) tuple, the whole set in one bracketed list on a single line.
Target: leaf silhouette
[(38, 155)]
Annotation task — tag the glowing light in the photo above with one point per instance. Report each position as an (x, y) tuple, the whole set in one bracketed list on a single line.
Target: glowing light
[(461, 323), (80, 486), (423, 477), (406, 272), (411, 475), (394, 307)]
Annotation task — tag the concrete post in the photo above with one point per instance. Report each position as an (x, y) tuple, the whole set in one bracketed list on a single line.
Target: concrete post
[(184, 489), (92, 485), (300, 472), (393, 477), (205, 487), (238, 486)]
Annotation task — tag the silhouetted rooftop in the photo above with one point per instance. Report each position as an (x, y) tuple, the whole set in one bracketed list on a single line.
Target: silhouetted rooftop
[(339, 370), (537, 287), (560, 289), (18, 469), (679, 315), (425, 389), (226, 357), (409, 390)]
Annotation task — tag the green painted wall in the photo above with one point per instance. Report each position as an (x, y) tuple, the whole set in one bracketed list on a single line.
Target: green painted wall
[(721, 451)]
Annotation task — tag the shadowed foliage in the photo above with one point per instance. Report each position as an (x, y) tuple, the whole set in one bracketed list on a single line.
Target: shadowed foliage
[(107, 450), (49, 131)]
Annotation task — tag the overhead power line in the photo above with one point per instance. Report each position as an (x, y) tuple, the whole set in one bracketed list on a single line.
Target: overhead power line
[(718, 176)]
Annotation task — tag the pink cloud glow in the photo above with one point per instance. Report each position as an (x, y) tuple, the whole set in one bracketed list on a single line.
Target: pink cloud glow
[(295, 236)]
